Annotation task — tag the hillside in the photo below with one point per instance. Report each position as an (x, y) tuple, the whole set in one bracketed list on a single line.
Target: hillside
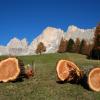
[(44, 86)]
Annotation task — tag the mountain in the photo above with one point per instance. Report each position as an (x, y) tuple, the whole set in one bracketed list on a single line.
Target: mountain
[(3, 50), (74, 32), (17, 47), (16, 43), (51, 38)]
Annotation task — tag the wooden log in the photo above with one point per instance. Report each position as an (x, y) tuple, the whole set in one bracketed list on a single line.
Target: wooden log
[(68, 71), (93, 79), (11, 69)]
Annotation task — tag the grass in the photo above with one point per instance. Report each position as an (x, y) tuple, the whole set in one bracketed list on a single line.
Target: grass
[(43, 85)]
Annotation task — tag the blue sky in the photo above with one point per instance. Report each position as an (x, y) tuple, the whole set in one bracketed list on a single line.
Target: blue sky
[(28, 18)]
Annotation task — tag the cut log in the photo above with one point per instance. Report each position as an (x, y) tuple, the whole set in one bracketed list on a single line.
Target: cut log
[(11, 69), (68, 71), (93, 79)]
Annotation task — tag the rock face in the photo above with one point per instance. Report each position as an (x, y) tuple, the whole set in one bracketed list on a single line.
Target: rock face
[(17, 47), (74, 32), (51, 38), (3, 50)]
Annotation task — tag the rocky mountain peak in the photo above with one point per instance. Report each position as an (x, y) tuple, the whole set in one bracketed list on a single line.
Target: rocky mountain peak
[(50, 37)]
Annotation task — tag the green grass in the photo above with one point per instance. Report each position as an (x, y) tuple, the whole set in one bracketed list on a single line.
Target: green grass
[(43, 85)]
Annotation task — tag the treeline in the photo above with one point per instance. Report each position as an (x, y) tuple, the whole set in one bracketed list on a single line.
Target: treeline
[(77, 46), (83, 47)]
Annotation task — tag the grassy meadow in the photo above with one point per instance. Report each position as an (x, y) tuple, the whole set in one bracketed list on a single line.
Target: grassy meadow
[(44, 86)]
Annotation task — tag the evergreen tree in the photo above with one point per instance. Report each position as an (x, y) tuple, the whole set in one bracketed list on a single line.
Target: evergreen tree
[(62, 46), (83, 47), (77, 45), (89, 49), (95, 53), (70, 45), (97, 38)]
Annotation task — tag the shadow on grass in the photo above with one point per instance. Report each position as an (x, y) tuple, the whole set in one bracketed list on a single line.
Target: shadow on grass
[(18, 80), (61, 82), (14, 81), (82, 82)]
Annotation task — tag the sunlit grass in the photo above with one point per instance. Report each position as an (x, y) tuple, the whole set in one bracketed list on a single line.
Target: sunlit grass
[(43, 85)]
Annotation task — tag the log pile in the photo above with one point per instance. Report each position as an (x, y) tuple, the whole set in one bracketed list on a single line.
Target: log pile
[(70, 72), (12, 69)]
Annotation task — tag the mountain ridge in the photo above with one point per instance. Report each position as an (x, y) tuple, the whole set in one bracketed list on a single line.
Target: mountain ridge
[(51, 38)]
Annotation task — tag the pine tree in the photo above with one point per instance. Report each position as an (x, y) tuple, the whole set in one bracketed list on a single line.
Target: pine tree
[(95, 53), (97, 38), (89, 49), (70, 45), (40, 48), (77, 45), (62, 46), (83, 47)]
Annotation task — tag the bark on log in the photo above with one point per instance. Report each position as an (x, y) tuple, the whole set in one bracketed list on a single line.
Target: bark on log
[(11, 69), (68, 71)]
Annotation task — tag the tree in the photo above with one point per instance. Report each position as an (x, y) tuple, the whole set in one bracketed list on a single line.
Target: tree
[(70, 45), (89, 49), (83, 47), (40, 48), (95, 53), (62, 46), (77, 45), (97, 38)]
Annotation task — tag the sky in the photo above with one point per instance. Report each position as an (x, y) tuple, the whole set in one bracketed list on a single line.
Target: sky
[(28, 18)]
